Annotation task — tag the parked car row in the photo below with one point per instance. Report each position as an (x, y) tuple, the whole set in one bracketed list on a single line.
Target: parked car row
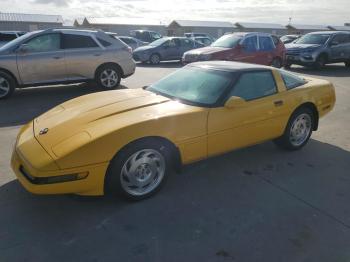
[(313, 50), (8, 36), (64, 56)]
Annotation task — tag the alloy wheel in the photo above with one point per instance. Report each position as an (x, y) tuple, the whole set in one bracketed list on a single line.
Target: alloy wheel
[(142, 172), (109, 78), (155, 59), (300, 129)]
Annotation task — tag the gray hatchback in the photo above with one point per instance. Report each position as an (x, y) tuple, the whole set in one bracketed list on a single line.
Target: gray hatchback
[(58, 56), (319, 48), (165, 49)]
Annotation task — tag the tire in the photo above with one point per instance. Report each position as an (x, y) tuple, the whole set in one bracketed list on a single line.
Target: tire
[(298, 130), (108, 77), (276, 62), (150, 176), (154, 59), (320, 61), (287, 65), (7, 85), (347, 64)]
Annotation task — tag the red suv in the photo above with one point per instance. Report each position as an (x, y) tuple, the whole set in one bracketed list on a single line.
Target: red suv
[(257, 48)]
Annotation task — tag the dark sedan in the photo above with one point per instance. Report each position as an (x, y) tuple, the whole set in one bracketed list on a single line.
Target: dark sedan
[(165, 49)]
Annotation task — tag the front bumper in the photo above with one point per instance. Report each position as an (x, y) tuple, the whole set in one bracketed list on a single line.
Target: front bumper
[(39, 174), (141, 57), (300, 59)]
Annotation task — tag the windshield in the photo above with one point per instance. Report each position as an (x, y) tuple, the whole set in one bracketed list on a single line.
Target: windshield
[(159, 42), (313, 39), (228, 41), (16, 41), (194, 85)]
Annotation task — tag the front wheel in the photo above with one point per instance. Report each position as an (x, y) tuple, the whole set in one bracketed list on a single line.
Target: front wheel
[(276, 62), (108, 77), (154, 59), (138, 171), (298, 130), (320, 62)]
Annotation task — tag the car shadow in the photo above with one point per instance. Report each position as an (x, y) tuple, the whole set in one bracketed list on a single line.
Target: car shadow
[(226, 199), (165, 64), (336, 70), (28, 103)]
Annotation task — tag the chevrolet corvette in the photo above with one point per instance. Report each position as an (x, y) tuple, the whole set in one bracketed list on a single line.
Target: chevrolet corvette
[(128, 141)]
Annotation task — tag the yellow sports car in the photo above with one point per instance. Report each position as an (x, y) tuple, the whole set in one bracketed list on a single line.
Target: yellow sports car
[(127, 141)]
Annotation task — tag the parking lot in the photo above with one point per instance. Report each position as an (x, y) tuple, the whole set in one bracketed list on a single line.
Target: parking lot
[(254, 204)]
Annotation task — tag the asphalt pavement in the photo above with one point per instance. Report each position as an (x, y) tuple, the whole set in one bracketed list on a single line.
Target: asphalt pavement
[(255, 204)]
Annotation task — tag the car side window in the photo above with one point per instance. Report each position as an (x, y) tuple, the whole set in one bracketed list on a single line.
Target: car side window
[(126, 40), (266, 43), (207, 41), (291, 81), (172, 43), (7, 37), (187, 43), (44, 43), (78, 41), (254, 85), (341, 39), (155, 35), (250, 44), (275, 40), (103, 42)]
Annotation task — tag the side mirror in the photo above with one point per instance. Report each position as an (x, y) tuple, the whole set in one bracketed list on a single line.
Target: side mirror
[(22, 49), (234, 102)]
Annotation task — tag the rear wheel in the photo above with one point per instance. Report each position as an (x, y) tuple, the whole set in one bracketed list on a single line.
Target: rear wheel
[(108, 77), (298, 130), (154, 59), (7, 85), (139, 170), (277, 62)]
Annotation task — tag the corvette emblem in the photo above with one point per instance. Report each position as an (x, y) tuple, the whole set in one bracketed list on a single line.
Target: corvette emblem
[(43, 131)]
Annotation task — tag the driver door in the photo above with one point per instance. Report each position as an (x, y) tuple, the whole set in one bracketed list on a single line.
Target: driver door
[(171, 49), (42, 60), (248, 51), (257, 120), (340, 48)]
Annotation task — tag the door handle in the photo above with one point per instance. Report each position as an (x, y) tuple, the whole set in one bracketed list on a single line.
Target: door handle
[(278, 103), (57, 57)]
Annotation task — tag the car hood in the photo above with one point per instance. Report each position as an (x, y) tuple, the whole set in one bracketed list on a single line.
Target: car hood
[(75, 116), (144, 48), (207, 50), (302, 46)]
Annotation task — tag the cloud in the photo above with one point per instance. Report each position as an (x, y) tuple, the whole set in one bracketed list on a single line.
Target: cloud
[(273, 11), (54, 2)]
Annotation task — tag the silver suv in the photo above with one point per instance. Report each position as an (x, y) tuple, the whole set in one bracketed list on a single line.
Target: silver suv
[(319, 48), (63, 56)]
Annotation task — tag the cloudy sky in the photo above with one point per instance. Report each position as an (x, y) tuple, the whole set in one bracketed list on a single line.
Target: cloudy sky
[(335, 12)]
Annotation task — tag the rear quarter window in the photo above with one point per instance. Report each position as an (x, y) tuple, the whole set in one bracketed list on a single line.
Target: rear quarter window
[(291, 81), (104, 43), (78, 41)]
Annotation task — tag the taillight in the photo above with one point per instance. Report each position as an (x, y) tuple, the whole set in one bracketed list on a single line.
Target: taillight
[(129, 49)]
